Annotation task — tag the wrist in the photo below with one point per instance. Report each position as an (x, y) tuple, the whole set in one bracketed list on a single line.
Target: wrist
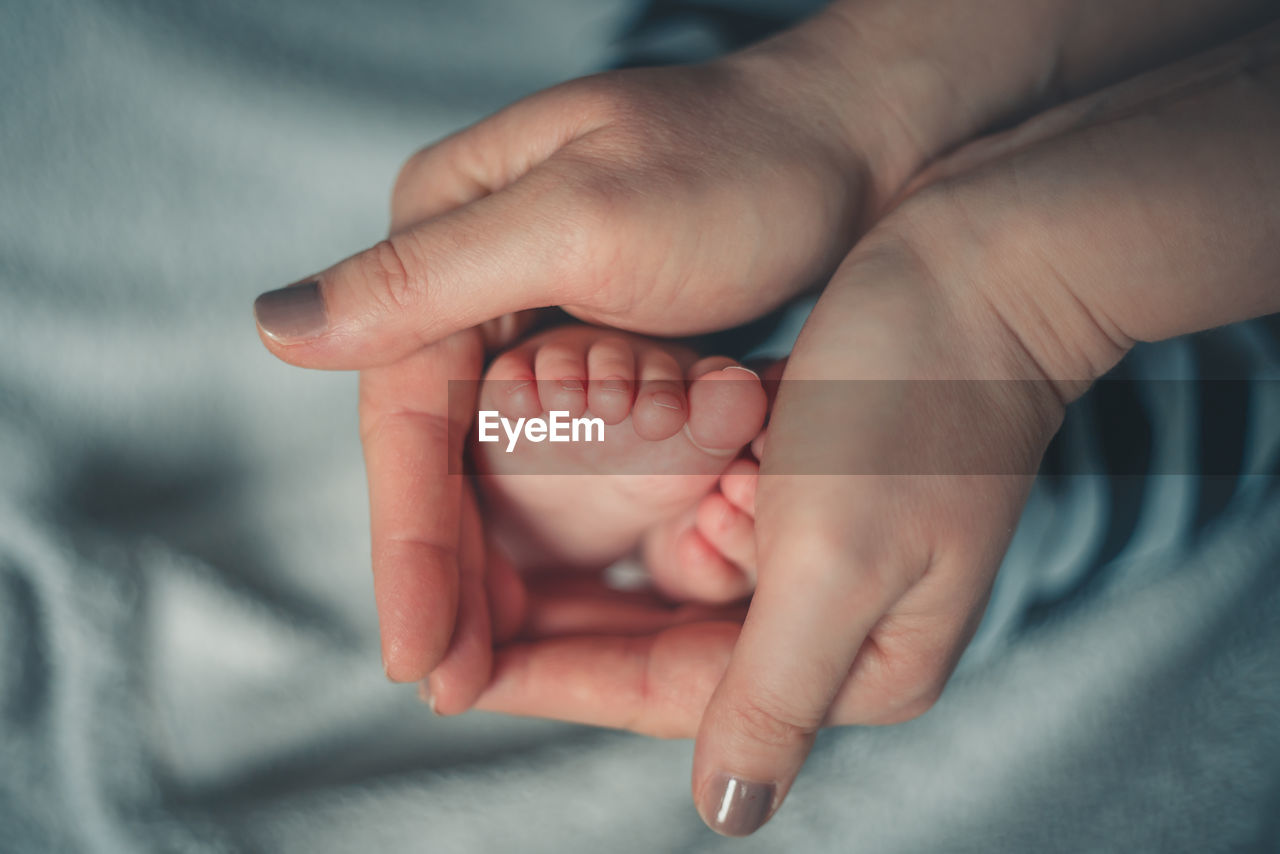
[(895, 320), (986, 269), (900, 83)]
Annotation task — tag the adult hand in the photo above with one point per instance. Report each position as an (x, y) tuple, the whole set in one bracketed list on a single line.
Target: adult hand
[(670, 201), (607, 196), (1145, 213)]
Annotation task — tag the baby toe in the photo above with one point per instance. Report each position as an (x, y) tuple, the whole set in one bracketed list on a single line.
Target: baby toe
[(738, 484), (611, 372), (562, 373), (729, 531), (509, 387), (693, 570), (660, 408)]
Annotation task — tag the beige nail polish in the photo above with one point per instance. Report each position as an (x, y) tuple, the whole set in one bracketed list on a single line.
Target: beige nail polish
[(738, 807)]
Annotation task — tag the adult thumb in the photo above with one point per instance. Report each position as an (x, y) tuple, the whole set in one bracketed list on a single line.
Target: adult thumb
[(513, 250), (822, 588)]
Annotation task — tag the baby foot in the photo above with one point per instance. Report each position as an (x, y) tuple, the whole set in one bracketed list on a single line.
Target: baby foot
[(670, 426), (709, 553)]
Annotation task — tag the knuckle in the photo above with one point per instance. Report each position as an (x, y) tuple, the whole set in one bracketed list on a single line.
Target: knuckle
[(769, 722), (913, 684), (820, 557), (859, 569), (387, 276), (811, 545), (609, 99)]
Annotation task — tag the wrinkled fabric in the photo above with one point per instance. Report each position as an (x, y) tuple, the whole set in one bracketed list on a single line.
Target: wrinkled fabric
[(188, 647)]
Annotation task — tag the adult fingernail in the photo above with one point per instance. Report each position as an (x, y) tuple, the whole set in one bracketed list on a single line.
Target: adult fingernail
[(291, 313), (738, 807)]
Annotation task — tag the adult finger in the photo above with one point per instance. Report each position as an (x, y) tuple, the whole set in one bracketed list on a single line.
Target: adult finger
[(656, 684), (508, 597), (656, 673), (592, 608), (831, 561), (414, 501), (464, 670), (524, 247), (903, 666), (821, 589)]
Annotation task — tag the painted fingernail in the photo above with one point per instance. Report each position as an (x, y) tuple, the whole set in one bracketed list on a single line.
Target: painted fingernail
[(738, 807), (666, 400), (291, 313)]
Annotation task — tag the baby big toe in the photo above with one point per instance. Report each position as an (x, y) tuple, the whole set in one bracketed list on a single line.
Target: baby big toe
[(726, 409), (509, 386)]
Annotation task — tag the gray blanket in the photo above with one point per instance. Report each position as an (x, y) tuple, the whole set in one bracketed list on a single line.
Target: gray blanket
[(188, 651)]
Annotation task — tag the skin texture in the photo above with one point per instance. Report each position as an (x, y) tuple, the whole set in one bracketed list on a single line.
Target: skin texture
[(719, 197)]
